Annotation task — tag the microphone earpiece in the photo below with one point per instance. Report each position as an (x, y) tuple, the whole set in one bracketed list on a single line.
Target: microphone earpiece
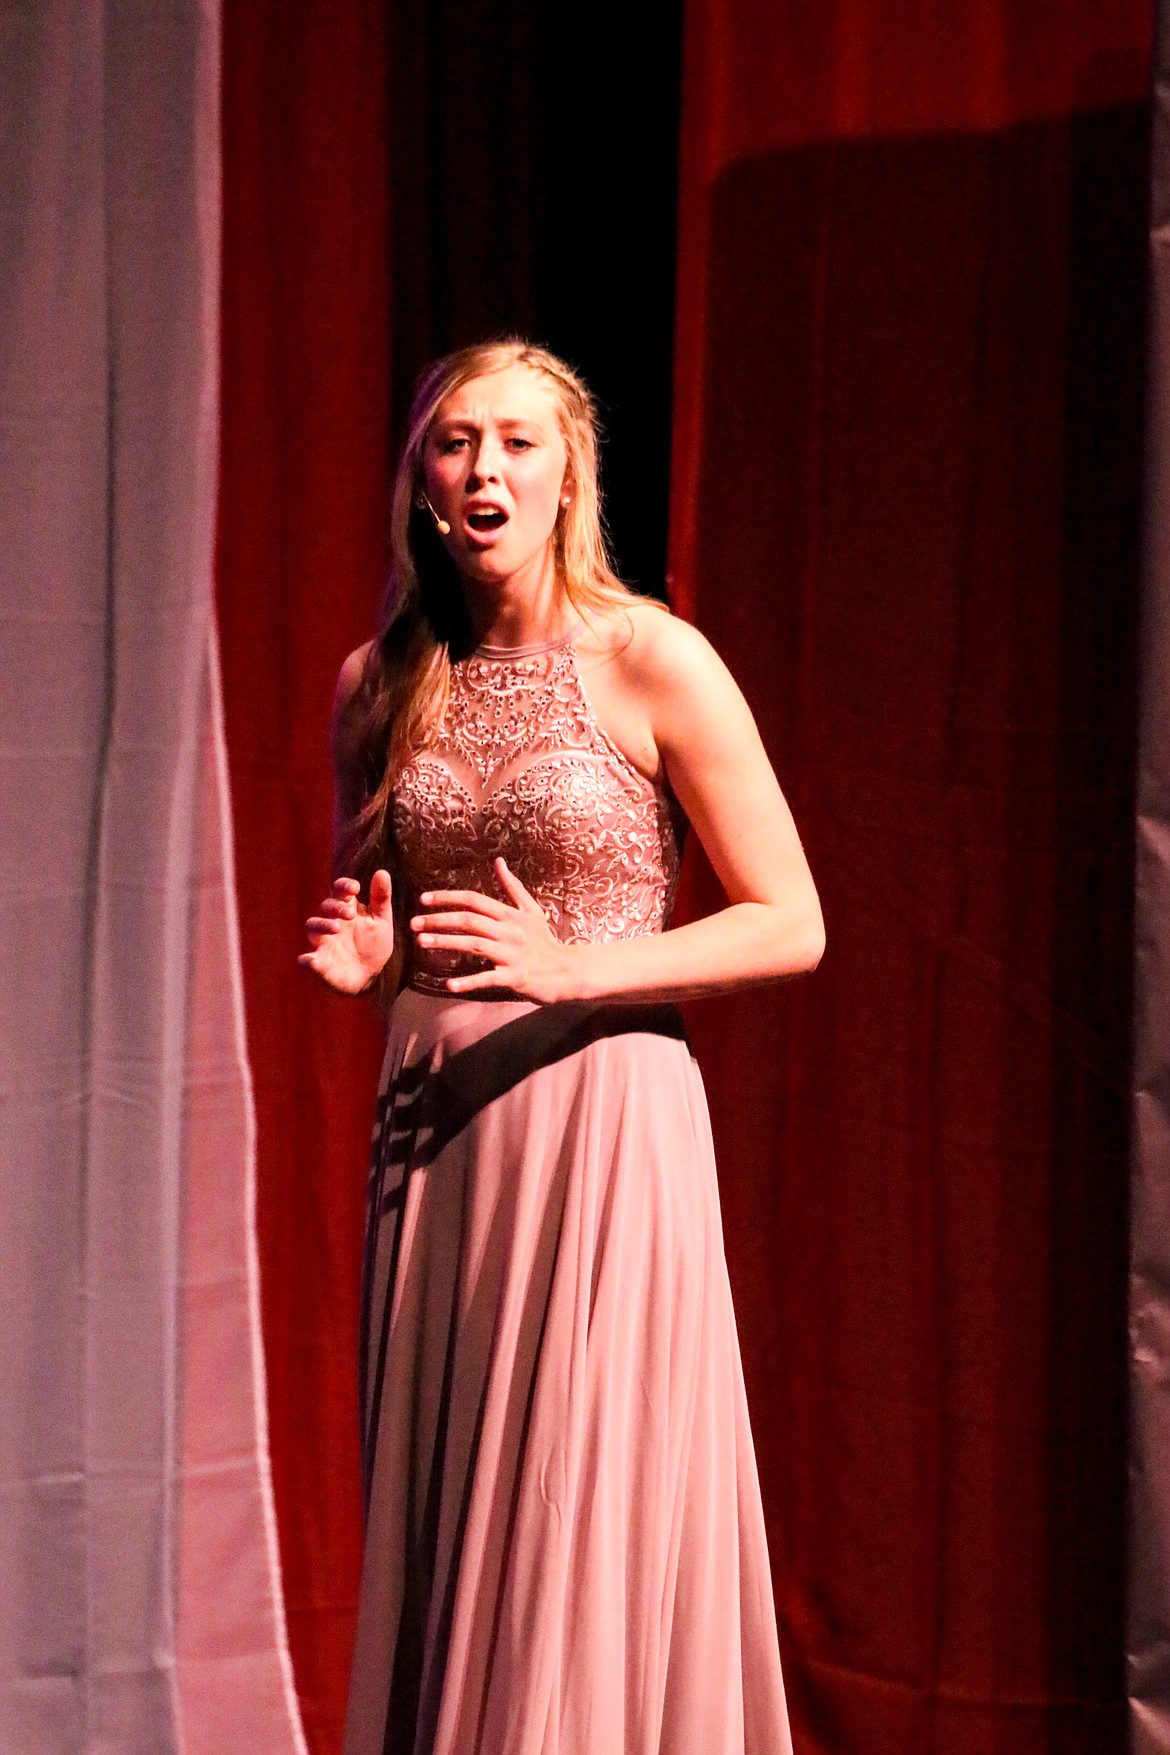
[(441, 524)]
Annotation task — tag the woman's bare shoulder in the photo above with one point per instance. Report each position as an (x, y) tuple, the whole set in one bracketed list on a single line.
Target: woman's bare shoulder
[(652, 649), (349, 679), (345, 719)]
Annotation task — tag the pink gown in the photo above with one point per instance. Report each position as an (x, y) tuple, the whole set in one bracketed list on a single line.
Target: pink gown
[(565, 1549)]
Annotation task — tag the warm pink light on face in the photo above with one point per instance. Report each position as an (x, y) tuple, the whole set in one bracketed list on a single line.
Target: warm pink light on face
[(494, 468)]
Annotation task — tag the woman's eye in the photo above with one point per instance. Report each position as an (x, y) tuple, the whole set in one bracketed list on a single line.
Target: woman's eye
[(520, 444), (450, 445)]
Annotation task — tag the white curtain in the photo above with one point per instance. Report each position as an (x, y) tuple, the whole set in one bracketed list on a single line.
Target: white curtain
[(139, 1581)]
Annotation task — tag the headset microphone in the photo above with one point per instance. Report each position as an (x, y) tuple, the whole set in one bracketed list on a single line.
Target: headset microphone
[(441, 524)]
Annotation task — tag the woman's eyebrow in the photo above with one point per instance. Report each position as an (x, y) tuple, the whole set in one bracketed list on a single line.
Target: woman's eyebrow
[(466, 424)]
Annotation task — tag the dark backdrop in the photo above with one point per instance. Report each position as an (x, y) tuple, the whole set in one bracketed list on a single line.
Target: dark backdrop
[(533, 178)]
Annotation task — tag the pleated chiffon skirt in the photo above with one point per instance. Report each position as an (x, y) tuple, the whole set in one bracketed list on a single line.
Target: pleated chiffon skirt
[(565, 1549)]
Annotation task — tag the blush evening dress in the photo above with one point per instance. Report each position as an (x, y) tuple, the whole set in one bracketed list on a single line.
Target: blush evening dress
[(565, 1549)]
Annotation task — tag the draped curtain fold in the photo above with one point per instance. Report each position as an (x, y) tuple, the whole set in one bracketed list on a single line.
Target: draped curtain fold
[(139, 1598), (300, 559), (1149, 1473), (905, 509)]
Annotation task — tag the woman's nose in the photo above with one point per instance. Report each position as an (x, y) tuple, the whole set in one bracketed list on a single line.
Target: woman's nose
[(484, 464)]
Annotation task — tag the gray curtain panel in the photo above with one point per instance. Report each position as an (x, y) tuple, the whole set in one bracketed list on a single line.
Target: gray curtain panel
[(139, 1588)]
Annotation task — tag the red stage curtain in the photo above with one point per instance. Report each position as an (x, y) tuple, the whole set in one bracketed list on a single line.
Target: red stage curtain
[(1148, 1651), (301, 554), (905, 509)]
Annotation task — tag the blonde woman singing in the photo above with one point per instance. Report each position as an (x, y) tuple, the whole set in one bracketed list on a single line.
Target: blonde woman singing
[(565, 1549)]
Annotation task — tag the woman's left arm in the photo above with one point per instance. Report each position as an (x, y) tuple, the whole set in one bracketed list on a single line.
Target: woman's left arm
[(715, 760)]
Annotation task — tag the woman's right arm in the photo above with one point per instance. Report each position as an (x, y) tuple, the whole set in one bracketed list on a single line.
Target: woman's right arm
[(352, 943), (345, 725)]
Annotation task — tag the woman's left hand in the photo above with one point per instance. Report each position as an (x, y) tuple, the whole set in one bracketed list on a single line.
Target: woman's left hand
[(526, 955)]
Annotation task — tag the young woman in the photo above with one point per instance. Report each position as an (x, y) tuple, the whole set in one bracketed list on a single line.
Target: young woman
[(565, 1548)]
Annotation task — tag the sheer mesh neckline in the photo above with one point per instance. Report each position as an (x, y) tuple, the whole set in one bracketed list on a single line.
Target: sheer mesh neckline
[(532, 650)]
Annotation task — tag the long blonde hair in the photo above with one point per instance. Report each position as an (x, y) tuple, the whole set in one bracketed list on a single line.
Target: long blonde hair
[(423, 618)]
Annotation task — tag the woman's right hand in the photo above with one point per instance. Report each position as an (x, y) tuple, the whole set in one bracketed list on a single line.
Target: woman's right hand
[(351, 943)]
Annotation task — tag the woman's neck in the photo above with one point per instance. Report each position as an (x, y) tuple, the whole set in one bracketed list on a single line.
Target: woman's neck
[(518, 611)]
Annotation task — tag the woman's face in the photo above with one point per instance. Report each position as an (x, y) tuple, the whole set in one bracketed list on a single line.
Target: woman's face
[(494, 468)]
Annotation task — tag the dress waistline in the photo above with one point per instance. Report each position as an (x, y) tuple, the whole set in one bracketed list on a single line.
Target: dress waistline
[(424, 981)]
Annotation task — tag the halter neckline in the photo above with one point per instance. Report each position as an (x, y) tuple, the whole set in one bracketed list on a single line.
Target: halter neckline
[(532, 650)]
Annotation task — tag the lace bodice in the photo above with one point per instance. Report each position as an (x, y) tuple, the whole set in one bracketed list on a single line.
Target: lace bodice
[(521, 767)]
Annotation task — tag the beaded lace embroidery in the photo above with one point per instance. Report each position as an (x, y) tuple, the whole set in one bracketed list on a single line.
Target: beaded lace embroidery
[(521, 767)]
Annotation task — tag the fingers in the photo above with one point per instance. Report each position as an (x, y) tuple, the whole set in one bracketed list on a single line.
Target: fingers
[(319, 926), (464, 899), (501, 932), (486, 978), (511, 885), (459, 921), (460, 941), (381, 893), (340, 904), (339, 908), (481, 935)]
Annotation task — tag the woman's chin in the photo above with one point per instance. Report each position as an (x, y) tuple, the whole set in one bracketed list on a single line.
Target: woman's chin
[(495, 563), (485, 567)]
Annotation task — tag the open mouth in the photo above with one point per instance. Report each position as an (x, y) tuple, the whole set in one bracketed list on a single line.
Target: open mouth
[(486, 520)]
